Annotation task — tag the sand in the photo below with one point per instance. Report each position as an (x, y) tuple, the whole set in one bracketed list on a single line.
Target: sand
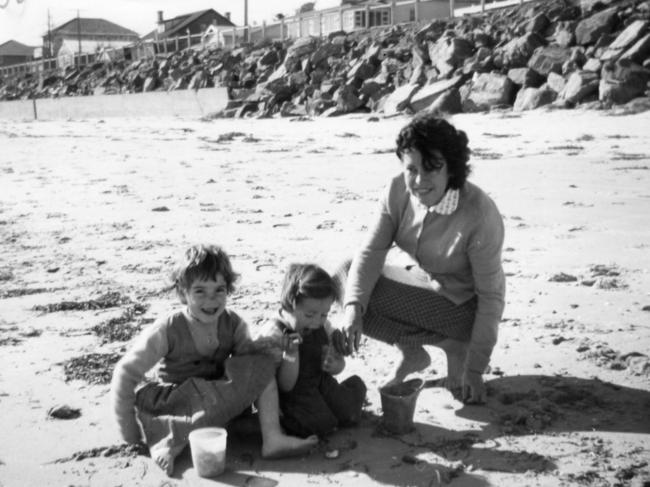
[(93, 212)]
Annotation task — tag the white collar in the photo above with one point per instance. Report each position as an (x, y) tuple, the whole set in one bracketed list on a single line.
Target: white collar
[(447, 205)]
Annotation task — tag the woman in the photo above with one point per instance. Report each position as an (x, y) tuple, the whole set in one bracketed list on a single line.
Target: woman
[(452, 294)]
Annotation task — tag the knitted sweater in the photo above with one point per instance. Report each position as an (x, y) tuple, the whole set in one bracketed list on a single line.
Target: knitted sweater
[(460, 252)]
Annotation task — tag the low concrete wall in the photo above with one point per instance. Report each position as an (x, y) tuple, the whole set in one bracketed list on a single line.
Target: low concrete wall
[(181, 103), (17, 110)]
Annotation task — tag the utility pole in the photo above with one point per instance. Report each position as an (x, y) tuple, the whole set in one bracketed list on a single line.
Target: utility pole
[(79, 39), (49, 35), (246, 20)]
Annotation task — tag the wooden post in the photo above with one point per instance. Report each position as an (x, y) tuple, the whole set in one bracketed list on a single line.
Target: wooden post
[(417, 10), (451, 9), (482, 6), (367, 16), (320, 25), (264, 29), (392, 12), (341, 18), (282, 29), (299, 25), (234, 37)]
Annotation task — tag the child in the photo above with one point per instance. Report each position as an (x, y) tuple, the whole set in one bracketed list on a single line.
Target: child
[(311, 400), (204, 376)]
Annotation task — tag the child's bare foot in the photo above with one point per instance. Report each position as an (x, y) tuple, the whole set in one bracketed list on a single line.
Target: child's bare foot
[(164, 459), (414, 359), (282, 446)]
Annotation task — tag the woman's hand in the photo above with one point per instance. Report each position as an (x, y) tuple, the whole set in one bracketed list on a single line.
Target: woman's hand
[(353, 327), (473, 388)]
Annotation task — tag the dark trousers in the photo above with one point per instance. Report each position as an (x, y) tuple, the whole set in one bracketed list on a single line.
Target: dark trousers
[(322, 409)]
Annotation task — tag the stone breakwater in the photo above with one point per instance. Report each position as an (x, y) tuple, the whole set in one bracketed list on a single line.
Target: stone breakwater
[(563, 53)]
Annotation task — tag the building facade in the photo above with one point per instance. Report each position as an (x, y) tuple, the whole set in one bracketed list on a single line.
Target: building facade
[(13, 52)]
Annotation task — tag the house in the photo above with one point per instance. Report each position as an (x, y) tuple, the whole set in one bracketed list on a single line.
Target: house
[(13, 52), (354, 15), (193, 24), (86, 36)]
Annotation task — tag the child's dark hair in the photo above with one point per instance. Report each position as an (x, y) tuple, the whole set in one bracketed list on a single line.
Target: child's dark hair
[(203, 262), (306, 281)]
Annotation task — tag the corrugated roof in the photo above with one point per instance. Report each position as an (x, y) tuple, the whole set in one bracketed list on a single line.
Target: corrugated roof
[(15, 48), (93, 26)]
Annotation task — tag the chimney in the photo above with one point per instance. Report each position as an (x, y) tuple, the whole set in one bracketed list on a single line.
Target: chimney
[(227, 15), (161, 22)]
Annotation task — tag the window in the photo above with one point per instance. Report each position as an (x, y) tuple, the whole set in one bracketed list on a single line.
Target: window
[(412, 14), (360, 18)]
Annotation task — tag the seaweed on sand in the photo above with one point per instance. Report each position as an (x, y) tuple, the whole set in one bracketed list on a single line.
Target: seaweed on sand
[(94, 368), (121, 328), (107, 300)]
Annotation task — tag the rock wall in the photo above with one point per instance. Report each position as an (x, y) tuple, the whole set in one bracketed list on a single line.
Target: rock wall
[(560, 52)]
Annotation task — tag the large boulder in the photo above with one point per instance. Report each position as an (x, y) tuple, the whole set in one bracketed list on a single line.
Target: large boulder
[(449, 52), (556, 82), (399, 99), (625, 39), (429, 93), (486, 90), (517, 52), (622, 81), (580, 86), (564, 35), (448, 102), (549, 58), (639, 52), (526, 77), (589, 30), (531, 98)]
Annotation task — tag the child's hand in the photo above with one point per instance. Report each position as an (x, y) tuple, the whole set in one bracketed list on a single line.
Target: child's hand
[(290, 346), (333, 362)]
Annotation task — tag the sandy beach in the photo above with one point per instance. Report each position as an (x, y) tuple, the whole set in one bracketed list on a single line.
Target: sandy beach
[(94, 212)]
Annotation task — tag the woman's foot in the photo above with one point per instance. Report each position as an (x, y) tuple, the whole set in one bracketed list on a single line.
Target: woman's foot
[(282, 446), (456, 353), (414, 359)]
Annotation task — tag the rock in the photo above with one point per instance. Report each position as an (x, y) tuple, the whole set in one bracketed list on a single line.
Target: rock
[(487, 90), (347, 100), (63, 411), (517, 52), (592, 64), (531, 98), (590, 29), (448, 102), (302, 46), (622, 81), (399, 99), (448, 53), (564, 35), (549, 58), (526, 77), (640, 51), (625, 39), (538, 24), (579, 86), (429, 93)]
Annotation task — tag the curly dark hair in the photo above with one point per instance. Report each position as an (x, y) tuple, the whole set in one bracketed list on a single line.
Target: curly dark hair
[(427, 133), (306, 281), (202, 262)]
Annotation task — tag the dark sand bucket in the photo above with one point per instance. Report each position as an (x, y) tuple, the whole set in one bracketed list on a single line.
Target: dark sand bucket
[(398, 403)]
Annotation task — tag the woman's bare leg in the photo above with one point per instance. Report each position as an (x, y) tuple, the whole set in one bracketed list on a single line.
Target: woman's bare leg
[(414, 359), (456, 352), (275, 443)]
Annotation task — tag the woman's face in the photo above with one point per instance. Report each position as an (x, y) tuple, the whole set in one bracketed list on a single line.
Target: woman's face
[(427, 186)]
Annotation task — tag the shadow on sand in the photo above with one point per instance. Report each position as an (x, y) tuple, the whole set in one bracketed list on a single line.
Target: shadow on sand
[(432, 455)]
